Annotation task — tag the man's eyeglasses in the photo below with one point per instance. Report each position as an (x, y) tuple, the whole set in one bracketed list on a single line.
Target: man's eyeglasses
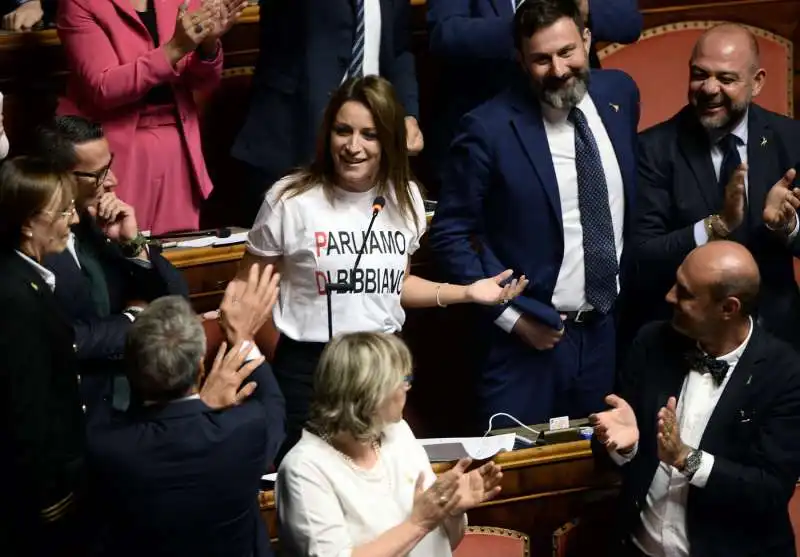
[(99, 176)]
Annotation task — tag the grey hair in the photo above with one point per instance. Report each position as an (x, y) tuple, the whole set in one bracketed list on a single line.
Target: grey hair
[(356, 373), (164, 350)]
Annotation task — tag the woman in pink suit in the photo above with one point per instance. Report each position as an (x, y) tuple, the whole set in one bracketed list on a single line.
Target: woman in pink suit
[(134, 65)]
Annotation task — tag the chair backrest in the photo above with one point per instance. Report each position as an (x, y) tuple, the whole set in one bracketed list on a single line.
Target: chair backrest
[(485, 541), (659, 63)]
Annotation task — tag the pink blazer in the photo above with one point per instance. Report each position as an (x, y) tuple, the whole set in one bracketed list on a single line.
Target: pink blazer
[(113, 63)]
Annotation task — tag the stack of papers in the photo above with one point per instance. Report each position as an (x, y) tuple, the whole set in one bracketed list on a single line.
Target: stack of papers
[(205, 241), (476, 448)]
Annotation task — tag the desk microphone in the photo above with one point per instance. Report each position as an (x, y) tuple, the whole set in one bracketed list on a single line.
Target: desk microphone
[(346, 286)]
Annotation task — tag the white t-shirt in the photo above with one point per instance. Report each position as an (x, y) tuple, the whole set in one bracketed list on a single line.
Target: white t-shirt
[(328, 506), (318, 239)]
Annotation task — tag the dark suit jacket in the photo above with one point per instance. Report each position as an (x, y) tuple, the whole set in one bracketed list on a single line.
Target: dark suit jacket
[(677, 188), (473, 39), (182, 479), (500, 206), (752, 433), (100, 340), (41, 423), (305, 49)]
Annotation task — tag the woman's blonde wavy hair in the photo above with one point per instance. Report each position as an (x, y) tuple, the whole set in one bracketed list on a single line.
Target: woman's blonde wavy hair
[(356, 373)]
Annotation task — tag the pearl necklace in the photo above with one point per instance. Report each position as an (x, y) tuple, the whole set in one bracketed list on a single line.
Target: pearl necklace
[(385, 478)]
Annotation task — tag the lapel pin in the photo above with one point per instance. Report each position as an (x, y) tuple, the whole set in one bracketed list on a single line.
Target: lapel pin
[(34, 286), (614, 107), (763, 141)]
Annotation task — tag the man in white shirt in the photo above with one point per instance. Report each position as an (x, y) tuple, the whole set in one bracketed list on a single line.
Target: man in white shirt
[(705, 427), (538, 180)]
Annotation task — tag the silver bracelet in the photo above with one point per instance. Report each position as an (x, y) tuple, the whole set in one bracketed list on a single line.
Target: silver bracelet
[(438, 289)]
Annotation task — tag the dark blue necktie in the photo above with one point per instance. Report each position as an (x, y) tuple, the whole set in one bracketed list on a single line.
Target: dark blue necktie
[(599, 248), (729, 145), (356, 67)]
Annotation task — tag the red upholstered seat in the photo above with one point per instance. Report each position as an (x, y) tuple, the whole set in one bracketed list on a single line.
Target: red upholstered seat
[(794, 516), (483, 541), (659, 63)]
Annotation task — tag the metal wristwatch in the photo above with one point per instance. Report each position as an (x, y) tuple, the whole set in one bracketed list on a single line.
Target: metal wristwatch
[(692, 464)]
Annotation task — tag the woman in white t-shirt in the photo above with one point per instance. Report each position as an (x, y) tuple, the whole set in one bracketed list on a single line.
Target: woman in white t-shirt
[(358, 483), (313, 223)]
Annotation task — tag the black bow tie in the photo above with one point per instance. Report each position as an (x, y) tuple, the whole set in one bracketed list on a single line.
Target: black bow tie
[(703, 363)]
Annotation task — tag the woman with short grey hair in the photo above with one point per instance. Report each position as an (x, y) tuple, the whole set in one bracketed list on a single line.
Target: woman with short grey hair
[(358, 483)]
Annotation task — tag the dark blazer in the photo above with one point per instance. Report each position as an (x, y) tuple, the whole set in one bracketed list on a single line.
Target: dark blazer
[(752, 433), (474, 43), (182, 479), (500, 206), (41, 423), (678, 187), (305, 49), (100, 340)]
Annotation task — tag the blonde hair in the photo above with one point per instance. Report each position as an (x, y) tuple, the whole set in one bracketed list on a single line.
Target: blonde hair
[(378, 96), (356, 373)]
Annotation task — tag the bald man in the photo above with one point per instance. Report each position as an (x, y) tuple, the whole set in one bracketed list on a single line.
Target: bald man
[(719, 169), (706, 424)]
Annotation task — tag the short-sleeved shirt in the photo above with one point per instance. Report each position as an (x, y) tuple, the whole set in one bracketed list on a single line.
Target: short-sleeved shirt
[(318, 235)]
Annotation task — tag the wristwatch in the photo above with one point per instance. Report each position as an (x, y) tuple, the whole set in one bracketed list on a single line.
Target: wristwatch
[(692, 463), (716, 229), (132, 248)]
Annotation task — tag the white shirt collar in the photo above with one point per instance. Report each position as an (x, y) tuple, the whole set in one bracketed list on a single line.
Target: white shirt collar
[(555, 115), (732, 357), (47, 275), (739, 131)]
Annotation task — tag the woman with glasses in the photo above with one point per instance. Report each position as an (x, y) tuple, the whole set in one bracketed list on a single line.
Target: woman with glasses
[(135, 66), (41, 421), (358, 482)]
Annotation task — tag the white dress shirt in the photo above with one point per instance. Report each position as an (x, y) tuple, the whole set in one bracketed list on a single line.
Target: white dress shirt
[(570, 290), (372, 38), (740, 131), (47, 275), (662, 532)]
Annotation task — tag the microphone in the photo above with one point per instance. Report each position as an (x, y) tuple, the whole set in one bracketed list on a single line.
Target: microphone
[(346, 286), (218, 232)]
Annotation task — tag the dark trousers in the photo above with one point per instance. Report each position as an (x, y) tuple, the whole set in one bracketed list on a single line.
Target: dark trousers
[(294, 366), (571, 379), (255, 183)]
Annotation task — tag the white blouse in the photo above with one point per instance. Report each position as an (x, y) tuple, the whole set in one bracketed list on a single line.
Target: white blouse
[(327, 506)]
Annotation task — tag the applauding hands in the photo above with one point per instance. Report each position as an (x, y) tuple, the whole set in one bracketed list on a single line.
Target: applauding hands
[(202, 27), (454, 492)]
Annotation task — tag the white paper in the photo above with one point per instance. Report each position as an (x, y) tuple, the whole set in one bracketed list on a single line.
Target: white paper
[(476, 448), (559, 423), (270, 477), (205, 241)]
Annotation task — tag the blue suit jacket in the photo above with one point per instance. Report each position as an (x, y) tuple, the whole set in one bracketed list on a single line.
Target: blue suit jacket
[(183, 479), (305, 48), (500, 207), (474, 40)]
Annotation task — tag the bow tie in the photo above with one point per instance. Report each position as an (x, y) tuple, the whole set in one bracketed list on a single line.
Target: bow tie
[(703, 363)]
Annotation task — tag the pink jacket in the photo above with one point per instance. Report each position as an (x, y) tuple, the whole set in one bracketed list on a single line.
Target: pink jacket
[(113, 63)]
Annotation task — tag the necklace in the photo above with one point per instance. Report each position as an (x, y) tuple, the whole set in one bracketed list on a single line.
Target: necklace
[(378, 473)]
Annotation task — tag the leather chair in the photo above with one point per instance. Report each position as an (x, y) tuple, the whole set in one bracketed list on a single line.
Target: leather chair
[(485, 541), (659, 63)]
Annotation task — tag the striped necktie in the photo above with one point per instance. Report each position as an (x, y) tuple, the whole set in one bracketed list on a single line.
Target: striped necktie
[(356, 67)]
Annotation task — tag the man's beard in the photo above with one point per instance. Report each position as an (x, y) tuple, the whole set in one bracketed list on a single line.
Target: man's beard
[(726, 120), (564, 93)]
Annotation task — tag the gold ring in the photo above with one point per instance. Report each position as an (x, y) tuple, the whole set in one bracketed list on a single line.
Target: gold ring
[(442, 500)]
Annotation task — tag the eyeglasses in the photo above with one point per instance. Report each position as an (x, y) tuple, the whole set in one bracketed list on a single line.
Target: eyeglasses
[(99, 176), (68, 213), (409, 379)]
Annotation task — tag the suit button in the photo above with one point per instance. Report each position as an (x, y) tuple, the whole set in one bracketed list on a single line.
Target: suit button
[(75, 347), (79, 379), (84, 408)]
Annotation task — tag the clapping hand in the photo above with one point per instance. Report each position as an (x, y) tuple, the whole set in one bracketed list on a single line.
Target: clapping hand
[(433, 505), (616, 428), (478, 486), (221, 387), (671, 449), (247, 305), (489, 291), (781, 204), (224, 14)]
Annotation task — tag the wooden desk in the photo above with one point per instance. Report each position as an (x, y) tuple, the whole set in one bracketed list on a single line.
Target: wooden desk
[(543, 488), (207, 271)]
